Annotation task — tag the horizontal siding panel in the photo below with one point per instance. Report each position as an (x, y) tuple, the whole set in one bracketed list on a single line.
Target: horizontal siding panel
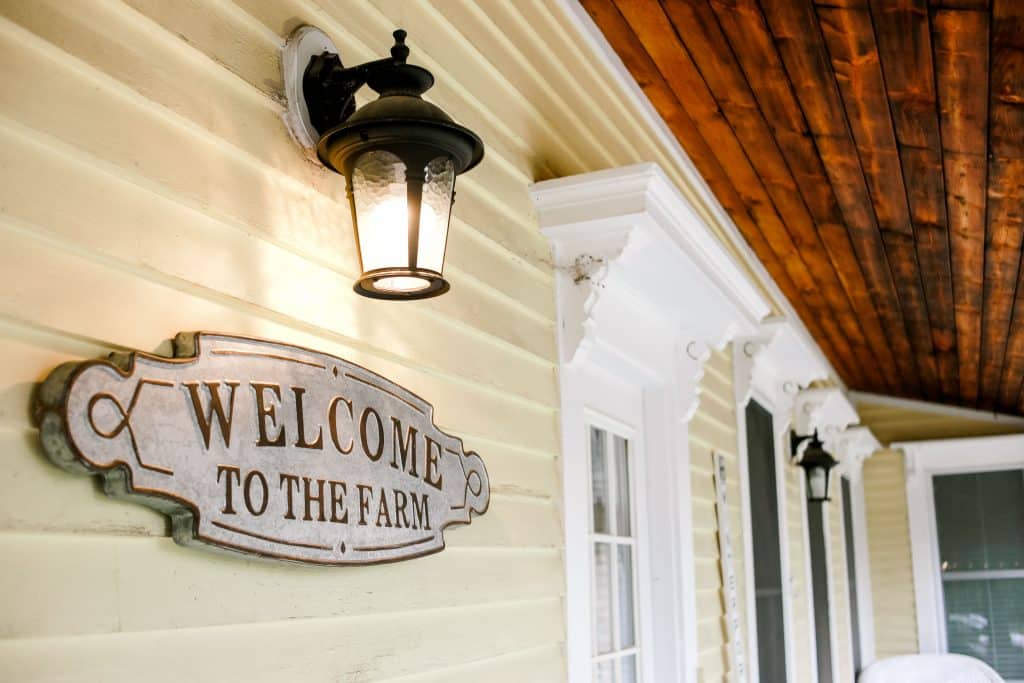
[(224, 267), (538, 665), (95, 302), (345, 648), (44, 498), (151, 584), (148, 152), (892, 576), (248, 41)]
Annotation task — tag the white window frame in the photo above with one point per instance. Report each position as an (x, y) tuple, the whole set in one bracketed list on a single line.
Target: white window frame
[(640, 544), (923, 460), (591, 397)]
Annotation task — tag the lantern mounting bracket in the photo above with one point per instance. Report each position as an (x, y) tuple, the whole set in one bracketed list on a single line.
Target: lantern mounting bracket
[(321, 90), (798, 440), (330, 88)]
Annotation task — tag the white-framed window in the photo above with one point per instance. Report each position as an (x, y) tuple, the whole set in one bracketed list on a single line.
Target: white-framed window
[(979, 520), (613, 552), (965, 507)]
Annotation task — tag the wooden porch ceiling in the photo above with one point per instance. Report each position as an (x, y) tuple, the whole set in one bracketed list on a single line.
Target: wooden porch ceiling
[(872, 153)]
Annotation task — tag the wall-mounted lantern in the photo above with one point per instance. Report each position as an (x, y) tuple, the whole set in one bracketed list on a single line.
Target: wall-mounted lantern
[(399, 154), (817, 464)]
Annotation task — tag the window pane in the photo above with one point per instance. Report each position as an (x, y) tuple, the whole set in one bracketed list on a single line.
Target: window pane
[(603, 597), (968, 630), (628, 669), (1008, 626), (985, 619), (981, 520), (622, 511), (1002, 501), (627, 635), (599, 481), (604, 672)]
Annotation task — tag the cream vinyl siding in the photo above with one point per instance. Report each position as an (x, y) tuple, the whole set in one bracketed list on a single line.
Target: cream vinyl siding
[(148, 186), (892, 574), (713, 429)]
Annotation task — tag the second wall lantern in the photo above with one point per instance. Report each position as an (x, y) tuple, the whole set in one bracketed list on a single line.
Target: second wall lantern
[(817, 464), (399, 154)]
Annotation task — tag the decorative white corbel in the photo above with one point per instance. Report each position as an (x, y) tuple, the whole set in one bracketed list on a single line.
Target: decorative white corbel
[(639, 276), (777, 363), (826, 410), (689, 371), (852, 447)]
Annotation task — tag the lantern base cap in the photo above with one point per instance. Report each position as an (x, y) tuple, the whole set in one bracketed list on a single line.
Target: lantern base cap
[(401, 284)]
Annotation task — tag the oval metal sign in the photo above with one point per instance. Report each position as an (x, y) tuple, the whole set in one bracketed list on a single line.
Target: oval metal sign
[(265, 448)]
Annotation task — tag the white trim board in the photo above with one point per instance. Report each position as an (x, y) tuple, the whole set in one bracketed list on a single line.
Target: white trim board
[(923, 460)]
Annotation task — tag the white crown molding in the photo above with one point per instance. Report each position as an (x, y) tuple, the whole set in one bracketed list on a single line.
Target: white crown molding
[(825, 410), (644, 289)]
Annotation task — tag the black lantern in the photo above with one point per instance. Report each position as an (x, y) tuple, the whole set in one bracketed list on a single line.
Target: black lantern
[(817, 464), (399, 154)]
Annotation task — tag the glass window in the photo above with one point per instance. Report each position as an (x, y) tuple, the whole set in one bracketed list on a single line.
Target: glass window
[(613, 552), (980, 521)]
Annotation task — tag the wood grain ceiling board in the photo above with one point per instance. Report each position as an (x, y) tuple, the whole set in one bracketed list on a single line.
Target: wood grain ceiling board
[(872, 153)]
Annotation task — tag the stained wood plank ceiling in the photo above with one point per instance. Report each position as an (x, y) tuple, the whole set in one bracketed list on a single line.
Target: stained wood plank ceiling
[(872, 153)]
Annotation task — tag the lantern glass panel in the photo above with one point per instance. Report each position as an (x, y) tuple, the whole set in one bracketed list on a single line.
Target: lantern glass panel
[(382, 210), (438, 184), (817, 483)]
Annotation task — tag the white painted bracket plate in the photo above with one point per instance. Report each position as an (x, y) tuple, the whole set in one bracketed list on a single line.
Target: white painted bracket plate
[(303, 44)]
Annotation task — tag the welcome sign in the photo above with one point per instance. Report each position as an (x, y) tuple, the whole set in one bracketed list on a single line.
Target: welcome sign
[(265, 448)]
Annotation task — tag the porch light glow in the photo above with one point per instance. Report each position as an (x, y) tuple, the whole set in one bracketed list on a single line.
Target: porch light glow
[(817, 464), (400, 156)]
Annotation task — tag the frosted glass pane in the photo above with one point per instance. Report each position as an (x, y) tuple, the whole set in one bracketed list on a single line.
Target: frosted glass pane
[(599, 481), (438, 184), (627, 635), (628, 669), (604, 672), (622, 511), (603, 587), (382, 210)]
